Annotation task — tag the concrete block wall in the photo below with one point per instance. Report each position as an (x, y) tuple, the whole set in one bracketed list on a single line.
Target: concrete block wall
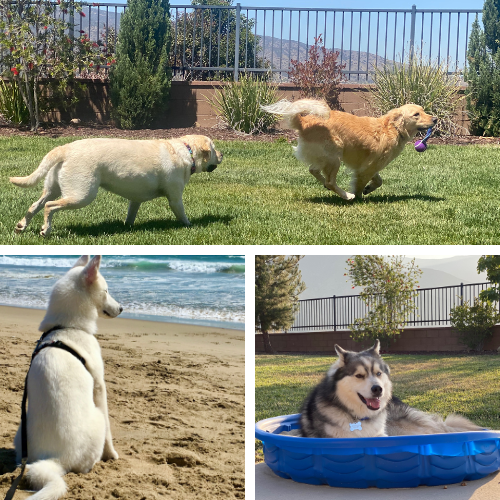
[(189, 106)]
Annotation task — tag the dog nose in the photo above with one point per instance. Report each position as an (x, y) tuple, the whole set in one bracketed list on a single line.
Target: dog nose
[(121, 309), (434, 120), (376, 390)]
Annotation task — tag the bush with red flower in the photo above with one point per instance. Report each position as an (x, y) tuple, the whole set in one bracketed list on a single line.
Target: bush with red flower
[(43, 59)]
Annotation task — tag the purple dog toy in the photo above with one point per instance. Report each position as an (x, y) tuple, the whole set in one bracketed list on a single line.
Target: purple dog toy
[(421, 146)]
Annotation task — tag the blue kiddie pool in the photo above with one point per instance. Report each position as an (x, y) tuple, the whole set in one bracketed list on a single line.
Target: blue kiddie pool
[(382, 462)]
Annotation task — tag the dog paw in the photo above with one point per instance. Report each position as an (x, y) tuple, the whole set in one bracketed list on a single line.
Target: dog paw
[(110, 455), (350, 196), (19, 228)]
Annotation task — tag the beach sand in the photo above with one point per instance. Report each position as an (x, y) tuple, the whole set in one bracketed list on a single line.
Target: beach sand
[(176, 406)]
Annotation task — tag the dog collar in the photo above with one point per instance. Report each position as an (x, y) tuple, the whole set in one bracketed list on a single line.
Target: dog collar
[(193, 166), (357, 425)]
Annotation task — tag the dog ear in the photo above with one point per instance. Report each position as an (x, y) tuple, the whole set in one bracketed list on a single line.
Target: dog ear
[(82, 261), (375, 349), (206, 153), (91, 270), (342, 354), (397, 118)]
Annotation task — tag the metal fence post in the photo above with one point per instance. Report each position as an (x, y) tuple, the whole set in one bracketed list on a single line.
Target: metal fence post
[(461, 294), (412, 29), (334, 314), (237, 42)]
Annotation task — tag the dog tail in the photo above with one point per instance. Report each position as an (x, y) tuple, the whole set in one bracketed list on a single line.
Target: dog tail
[(291, 111), (47, 477), (457, 423), (50, 160)]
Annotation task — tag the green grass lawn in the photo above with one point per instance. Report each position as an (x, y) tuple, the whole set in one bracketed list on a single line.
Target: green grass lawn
[(467, 385), (261, 194)]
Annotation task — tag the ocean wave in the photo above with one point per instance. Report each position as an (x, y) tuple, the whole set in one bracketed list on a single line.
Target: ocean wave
[(131, 262), (234, 316)]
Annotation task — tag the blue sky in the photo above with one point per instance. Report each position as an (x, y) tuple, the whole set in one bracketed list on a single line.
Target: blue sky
[(363, 4)]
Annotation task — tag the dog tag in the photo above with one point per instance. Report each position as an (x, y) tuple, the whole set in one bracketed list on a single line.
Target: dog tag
[(356, 427)]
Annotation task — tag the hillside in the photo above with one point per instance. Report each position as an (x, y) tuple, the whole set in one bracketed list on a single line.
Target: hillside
[(273, 48)]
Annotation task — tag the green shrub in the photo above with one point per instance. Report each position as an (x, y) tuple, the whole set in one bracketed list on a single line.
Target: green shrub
[(238, 104), (12, 105), (474, 323), (140, 80), (483, 74), (421, 82)]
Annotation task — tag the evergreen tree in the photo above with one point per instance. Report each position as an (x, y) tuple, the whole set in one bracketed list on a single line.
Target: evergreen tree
[(483, 72), (140, 80), (278, 284)]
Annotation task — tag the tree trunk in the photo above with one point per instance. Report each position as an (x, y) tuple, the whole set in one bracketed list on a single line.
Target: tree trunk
[(268, 348)]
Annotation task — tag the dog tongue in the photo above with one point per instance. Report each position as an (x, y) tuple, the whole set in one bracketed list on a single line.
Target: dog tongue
[(373, 403)]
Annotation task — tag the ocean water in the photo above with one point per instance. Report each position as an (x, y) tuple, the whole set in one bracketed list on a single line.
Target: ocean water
[(201, 290)]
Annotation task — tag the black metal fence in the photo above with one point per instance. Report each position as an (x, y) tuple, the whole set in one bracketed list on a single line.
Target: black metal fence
[(431, 308), (231, 39)]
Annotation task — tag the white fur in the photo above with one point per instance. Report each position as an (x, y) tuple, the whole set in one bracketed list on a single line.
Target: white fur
[(67, 418), (290, 109)]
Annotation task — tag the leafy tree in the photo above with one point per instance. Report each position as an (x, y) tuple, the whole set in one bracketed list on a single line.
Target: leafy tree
[(140, 79), (320, 76), (207, 37), (474, 323), (278, 284), (483, 72), (389, 287), (490, 264), (36, 47)]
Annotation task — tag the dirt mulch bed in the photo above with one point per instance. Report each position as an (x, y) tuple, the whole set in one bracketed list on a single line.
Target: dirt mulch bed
[(219, 133), (465, 140)]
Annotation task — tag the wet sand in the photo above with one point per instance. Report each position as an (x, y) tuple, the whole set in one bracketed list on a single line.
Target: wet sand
[(176, 405)]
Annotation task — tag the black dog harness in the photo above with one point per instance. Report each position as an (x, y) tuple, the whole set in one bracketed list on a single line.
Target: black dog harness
[(24, 426)]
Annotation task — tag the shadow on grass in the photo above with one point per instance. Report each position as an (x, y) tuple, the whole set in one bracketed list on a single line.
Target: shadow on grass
[(333, 199), (7, 460), (119, 227)]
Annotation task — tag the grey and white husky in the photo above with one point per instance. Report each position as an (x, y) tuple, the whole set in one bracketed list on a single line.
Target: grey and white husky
[(355, 399)]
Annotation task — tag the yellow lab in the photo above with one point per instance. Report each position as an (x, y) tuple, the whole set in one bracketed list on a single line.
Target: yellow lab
[(137, 170), (365, 144)]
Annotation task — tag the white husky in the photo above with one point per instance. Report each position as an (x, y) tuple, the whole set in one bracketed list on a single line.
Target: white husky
[(67, 420)]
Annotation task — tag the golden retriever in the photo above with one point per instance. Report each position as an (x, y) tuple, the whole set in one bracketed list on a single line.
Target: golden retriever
[(365, 144), (137, 170)]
